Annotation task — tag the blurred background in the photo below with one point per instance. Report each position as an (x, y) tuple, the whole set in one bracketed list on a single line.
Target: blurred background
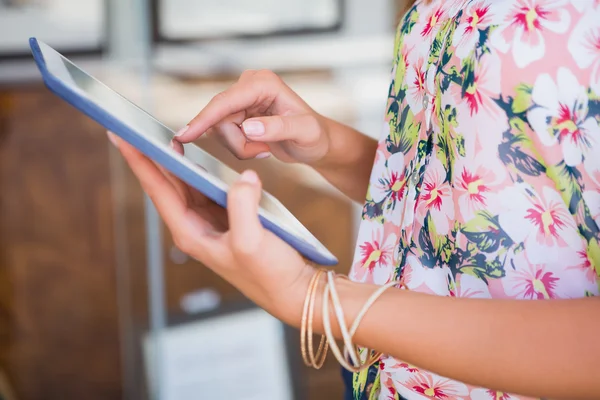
[(95, 301)]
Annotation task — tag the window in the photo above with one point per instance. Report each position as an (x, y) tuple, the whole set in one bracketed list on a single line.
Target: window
[(185, 20)]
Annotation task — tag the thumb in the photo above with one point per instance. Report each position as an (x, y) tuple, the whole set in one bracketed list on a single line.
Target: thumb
[(246, 231), (304, 129)]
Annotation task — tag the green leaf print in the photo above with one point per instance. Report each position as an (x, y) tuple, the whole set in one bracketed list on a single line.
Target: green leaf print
[(468, 73), (403, 250), (372, 211), (460, 145), (511, 154), (396, 101), (453, 76), (594, 104), (428, 257), (409, 21), (522, 100), (485, 233), (484, 35), (449, 50), (405, 134), (365, 383), (444, 247), (446, 57), (399, 80), (375, 388), (447, 146), (589, 228), (487, 242), (359, 381), (436, 47), (566, 180), (422, 149), (519, 127), (483, 269)]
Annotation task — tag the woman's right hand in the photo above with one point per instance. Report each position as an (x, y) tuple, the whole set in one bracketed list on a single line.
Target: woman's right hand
[(260, 115)]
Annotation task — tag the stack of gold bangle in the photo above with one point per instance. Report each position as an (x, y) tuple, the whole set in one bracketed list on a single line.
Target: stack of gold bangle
[(350, 358)]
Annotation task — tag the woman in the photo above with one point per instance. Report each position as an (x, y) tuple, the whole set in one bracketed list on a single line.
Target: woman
[(485, 192)]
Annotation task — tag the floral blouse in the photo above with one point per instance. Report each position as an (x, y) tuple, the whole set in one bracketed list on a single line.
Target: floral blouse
[(487, 176)]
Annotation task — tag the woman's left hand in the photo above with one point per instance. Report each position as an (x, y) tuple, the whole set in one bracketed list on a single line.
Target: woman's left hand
[(231, 242)]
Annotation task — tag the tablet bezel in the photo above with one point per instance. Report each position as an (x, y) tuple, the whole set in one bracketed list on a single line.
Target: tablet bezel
[(308, 246)]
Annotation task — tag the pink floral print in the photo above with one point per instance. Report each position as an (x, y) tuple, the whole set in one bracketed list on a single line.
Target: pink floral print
[(486, 182)]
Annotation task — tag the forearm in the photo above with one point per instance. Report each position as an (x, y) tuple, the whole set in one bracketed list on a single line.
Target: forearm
[(536, 348), (349, 161)]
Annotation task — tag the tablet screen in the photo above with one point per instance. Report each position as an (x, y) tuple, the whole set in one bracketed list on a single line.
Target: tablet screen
[(155, 132)]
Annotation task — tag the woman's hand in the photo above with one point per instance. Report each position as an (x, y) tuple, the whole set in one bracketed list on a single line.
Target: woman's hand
[(230, 242), (260, 115)]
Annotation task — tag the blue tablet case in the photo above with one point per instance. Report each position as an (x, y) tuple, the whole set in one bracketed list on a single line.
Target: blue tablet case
[(152, 151)]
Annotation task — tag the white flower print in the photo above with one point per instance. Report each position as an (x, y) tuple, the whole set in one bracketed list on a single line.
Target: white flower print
[(390, 186), (432, 104), (475, 181), (477, 17), (478, 115), (530, 281), (396, 370), (467, 285), (561, 114), (585, 5), (436, 198), (524, 24), (582, 270), (433, 386), (415, 81), (435, 279), (374, 256), (584, 45), (431, 19), (541, 222), (487, 394), (388, 391)]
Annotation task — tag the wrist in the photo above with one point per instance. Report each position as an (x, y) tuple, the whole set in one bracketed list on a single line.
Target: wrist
[(348, 159), (327, 135), (288, 306)]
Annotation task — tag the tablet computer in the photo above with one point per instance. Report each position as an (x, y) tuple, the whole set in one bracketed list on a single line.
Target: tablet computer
[(196, 167)]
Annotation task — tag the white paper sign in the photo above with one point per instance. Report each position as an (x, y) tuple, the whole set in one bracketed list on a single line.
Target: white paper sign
[(239, 356)]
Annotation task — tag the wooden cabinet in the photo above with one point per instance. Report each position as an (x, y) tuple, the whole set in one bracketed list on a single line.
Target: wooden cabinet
[(59, 320)]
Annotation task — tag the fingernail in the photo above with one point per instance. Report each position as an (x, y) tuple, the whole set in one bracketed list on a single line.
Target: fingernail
[(177, 146), (249, 177), (182, 130), (112, 138), (253, 128), (263, 155)]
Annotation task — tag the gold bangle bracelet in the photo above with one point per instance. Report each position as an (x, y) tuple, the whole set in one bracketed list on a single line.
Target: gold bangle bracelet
[(341, 319), (349, 348), (303, 322), (318, 359), (306, 333)]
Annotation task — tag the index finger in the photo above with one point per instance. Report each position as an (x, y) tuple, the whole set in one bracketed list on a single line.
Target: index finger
[(259, 90)]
